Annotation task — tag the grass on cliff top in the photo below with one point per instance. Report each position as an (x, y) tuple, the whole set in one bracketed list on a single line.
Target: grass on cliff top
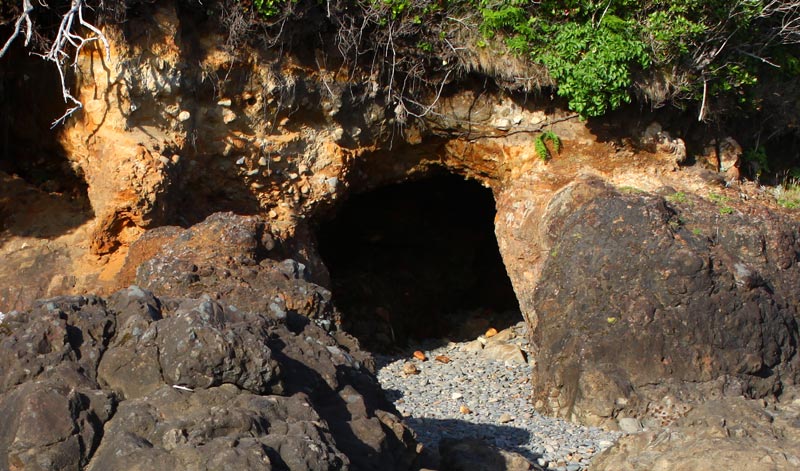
[(600, 53)]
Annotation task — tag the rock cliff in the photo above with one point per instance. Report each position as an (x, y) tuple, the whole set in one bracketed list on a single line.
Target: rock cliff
[(648, 287)]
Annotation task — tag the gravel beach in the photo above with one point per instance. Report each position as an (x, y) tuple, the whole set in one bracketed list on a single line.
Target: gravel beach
[(461, 391)]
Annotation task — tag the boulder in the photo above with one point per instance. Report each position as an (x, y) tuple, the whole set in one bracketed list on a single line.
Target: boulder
[(642, 299), (215, 428), (473, 454), (238, 257), (501, 351)]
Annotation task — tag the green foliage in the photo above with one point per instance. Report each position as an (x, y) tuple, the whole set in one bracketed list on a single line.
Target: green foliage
[(593, 64), (595, 49), (790, 198), (396, 7), (425, 46), (717, 198), (677, 197), (269, 8), (540, 144), (722, 203), (757, 158), (788, 192), (590, 56)]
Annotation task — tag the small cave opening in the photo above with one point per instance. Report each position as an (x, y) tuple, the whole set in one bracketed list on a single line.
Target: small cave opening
[(417, 261)]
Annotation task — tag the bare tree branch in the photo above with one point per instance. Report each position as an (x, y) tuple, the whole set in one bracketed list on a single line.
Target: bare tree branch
[(27, 8), (789, 13), (68, 44)]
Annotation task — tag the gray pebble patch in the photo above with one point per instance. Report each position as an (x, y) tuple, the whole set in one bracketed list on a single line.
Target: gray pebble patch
[(498, 397)]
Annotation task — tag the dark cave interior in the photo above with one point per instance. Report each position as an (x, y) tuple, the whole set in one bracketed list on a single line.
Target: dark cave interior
[(418, 260)]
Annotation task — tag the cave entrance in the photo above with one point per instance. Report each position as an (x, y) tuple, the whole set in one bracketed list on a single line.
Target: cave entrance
[(418, 260), (41, 193)]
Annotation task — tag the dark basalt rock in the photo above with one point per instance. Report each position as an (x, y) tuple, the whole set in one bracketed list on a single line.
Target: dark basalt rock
[(641, 299), (240, 376), (235, 258)]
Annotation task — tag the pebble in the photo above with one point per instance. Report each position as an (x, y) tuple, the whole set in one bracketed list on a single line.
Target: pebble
[(474, 397), (410, 369)]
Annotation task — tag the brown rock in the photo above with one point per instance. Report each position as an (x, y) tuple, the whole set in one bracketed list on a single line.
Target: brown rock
[(464, 409), (490, 333), (504, 335), (420, 356), (410, 369), (591, 370), (474, 346), (505, 418), (476, 455), (505, 352), (443, 359), (732, 434)]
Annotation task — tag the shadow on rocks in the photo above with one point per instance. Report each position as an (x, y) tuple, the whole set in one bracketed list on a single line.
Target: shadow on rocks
[(471, 446), (349, 400)]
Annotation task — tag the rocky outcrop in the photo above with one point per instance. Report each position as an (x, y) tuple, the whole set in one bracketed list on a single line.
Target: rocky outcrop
[(734, 434), (644, 301), (641, 301), (151, 380)]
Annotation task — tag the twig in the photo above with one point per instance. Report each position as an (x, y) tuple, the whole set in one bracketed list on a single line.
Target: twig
[(66, 37), (27, 8), (435, 100)]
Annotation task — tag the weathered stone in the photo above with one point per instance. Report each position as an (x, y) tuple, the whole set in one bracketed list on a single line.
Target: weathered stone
[(196, 379), (697, 326), (629, 425), (71, 330), (223, 425), (503, 336), (410, 369), (228, 254), (505, 352), (474, 346), (53, 423), (731, 433)]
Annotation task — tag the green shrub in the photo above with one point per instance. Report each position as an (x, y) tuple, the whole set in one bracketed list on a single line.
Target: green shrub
[(758, 159), (788, 192)]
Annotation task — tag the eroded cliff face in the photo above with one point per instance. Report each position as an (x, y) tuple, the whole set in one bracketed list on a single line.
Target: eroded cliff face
[(176, 128)]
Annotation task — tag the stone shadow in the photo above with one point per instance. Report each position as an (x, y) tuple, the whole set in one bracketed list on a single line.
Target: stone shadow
[(350, 408)]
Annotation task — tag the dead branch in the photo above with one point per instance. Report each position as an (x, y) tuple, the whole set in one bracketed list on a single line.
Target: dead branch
[(789, 14), (66, 37), (68, 44), (25, 17)]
